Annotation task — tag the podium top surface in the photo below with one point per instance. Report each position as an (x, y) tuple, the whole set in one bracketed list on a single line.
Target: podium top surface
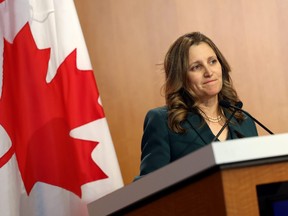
[(216, 154), (254, 148)]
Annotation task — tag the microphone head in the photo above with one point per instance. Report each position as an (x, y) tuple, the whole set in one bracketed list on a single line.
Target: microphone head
[(239, 104), (227, 104), (224, 103)]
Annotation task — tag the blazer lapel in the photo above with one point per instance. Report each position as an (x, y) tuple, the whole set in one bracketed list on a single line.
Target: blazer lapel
[(234, 127), (201, 128), (205, 134)]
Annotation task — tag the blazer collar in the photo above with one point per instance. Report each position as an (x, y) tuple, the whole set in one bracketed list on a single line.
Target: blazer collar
[(234, 127), (202, 129)]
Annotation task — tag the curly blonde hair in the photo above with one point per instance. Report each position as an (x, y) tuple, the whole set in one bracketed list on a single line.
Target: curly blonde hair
[(179, 98)]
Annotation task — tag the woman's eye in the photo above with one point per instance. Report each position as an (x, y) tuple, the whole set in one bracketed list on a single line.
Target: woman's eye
[(195, 67), (213, 61)]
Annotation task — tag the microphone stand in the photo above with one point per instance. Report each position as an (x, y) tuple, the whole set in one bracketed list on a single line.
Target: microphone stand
[(225, 125), (236, 108), (227, 104)]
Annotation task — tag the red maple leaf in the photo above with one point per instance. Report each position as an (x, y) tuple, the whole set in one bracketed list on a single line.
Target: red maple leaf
[(38, 116)]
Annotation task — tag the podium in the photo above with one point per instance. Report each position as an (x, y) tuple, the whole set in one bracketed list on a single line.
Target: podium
[(224, 178)]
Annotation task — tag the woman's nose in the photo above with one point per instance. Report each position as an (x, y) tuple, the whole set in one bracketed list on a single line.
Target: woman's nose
[(208, 71)]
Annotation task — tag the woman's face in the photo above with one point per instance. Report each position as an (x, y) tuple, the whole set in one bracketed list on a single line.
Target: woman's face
[(205, 71)]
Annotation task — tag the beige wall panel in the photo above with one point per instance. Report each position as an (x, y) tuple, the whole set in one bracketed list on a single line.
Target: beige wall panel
[(127, 40)]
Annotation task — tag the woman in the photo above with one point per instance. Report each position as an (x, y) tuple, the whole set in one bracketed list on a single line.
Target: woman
[(197, 78)]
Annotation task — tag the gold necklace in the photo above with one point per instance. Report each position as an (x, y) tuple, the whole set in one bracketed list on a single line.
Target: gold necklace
[(211, 119)]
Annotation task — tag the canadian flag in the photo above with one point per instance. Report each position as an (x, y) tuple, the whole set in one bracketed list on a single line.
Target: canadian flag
[(56, 151)]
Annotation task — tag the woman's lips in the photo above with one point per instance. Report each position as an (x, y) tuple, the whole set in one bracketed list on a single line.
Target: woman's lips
[(209, 81)]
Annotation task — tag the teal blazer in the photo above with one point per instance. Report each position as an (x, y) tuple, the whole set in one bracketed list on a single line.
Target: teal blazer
[(161, 146)]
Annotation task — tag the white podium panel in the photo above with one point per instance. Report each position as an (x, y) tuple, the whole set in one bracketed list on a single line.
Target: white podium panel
[(240, 152)]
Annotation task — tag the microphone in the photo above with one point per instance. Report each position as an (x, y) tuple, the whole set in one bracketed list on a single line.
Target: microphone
[(238, 105), (227, 104)]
